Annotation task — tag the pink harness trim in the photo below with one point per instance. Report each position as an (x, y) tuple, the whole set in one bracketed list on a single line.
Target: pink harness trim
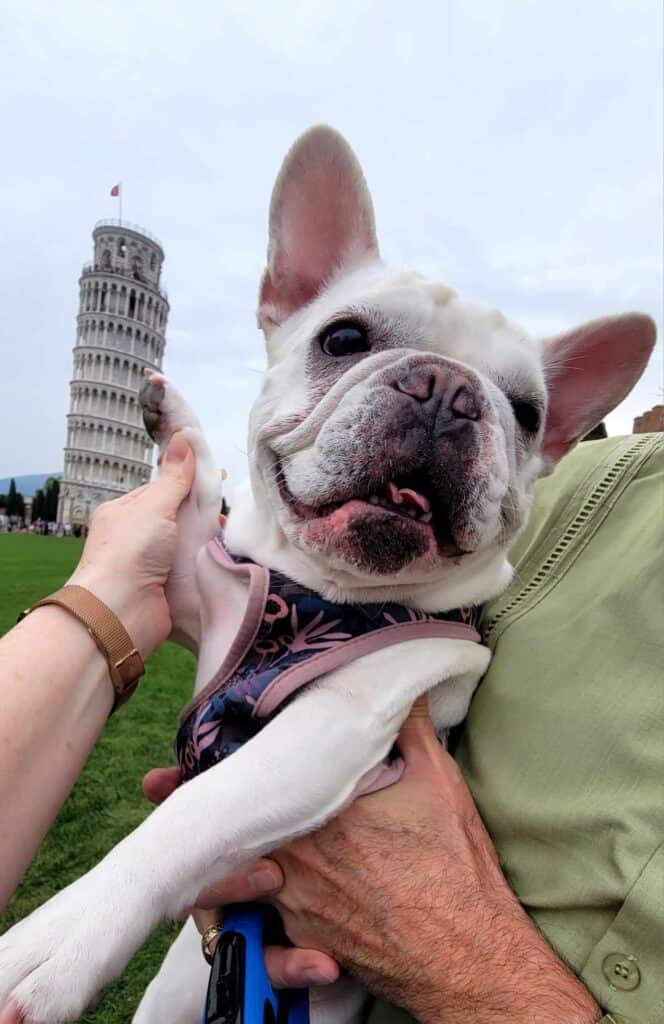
[(258, 580), (297, 676)]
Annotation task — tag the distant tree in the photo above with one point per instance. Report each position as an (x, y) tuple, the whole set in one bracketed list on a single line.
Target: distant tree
[(3, 501), (38, 505), (51, 495), (11, 498), (15, 503)]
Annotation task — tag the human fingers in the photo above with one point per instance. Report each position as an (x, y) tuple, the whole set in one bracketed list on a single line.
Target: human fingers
[(130, 547), (261, 879), (417, 739), (12, 1015), (159, 783), (430, 768), (286, 966), (176, 476), (289, 967)]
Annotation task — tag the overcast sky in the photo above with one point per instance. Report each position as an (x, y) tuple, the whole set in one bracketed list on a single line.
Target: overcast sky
[(513, 150)]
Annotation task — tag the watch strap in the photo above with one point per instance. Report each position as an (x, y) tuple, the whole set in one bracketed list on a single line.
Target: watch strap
[(125, 664)]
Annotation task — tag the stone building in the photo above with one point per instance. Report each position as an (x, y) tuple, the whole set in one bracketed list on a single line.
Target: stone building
[(121, 326), (650, 421)]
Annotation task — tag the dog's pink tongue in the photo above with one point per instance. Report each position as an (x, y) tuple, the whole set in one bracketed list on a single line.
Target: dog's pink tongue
[(408, 497)]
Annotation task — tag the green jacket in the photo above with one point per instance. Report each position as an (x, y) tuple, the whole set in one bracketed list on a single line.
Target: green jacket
[(563, 747)]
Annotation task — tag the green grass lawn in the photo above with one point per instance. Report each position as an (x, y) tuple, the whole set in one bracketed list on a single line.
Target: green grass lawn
[(107, 801)]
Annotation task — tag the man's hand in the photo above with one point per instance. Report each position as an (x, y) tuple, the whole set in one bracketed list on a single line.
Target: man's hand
[(404, 891)]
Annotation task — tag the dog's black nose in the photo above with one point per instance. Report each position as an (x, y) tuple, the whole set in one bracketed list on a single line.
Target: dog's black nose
[(446, 388)]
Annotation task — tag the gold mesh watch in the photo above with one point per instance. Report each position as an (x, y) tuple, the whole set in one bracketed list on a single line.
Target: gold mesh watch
[(125, 664)]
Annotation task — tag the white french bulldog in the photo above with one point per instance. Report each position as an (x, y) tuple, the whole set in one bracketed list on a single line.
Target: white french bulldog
[(393, 450)]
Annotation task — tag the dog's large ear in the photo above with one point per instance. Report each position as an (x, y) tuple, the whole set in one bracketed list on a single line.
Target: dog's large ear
[(321, 220), (588, 372)]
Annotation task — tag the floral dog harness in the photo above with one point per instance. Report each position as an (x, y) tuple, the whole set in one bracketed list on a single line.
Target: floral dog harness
[(288, 637)]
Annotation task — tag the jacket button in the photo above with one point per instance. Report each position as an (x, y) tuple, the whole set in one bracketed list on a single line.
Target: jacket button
[(621, 971)]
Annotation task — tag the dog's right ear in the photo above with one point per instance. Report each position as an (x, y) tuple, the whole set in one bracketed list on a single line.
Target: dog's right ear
[(589, 371), (321, 221)]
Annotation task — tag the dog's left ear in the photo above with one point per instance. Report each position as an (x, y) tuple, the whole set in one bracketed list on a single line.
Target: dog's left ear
[(588, 373), (321, 221)]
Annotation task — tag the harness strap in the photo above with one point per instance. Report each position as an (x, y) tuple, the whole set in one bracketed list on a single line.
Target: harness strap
[(294, 678), (258, 580), (297, 676)]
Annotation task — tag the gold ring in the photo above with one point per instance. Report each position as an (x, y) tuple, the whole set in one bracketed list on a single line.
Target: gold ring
[(209, 935)]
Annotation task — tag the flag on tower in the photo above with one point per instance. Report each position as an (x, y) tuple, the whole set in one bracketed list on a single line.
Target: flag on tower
[(115, 191)]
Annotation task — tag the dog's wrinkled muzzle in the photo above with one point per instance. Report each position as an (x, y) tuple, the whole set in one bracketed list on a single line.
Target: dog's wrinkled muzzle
[(305, 433)]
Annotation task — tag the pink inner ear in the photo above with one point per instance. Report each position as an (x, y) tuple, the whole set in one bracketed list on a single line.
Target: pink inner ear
[(589, 372), (321, 220)]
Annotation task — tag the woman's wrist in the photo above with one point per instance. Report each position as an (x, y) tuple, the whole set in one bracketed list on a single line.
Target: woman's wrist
[(143, 611), (88, 685)]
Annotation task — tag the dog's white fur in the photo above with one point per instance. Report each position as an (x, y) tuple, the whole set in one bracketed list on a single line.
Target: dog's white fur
[(53, 963)]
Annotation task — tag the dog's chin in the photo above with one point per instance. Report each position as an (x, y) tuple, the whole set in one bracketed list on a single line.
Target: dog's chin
[(396, 531), (371, 539)]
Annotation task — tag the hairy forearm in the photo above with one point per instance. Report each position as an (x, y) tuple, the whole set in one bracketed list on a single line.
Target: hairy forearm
[(56, 696), (426, 920), (511, 977), (469, 951)]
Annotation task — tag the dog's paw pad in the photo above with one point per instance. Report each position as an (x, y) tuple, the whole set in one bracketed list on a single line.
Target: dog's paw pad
[(164, 409), (151, 398)]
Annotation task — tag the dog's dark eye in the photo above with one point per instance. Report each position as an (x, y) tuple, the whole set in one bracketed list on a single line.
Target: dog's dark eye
[(527, 415), (344, 339)]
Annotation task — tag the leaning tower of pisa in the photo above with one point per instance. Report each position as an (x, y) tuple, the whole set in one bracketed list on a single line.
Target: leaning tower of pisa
[(121, 328)]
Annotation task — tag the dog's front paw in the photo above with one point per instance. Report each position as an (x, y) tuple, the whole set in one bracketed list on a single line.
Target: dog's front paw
[(53, 963), (164, 409), (166, 412), (150, 398)]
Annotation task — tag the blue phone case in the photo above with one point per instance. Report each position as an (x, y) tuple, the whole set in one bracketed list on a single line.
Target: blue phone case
[(239, 991)]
